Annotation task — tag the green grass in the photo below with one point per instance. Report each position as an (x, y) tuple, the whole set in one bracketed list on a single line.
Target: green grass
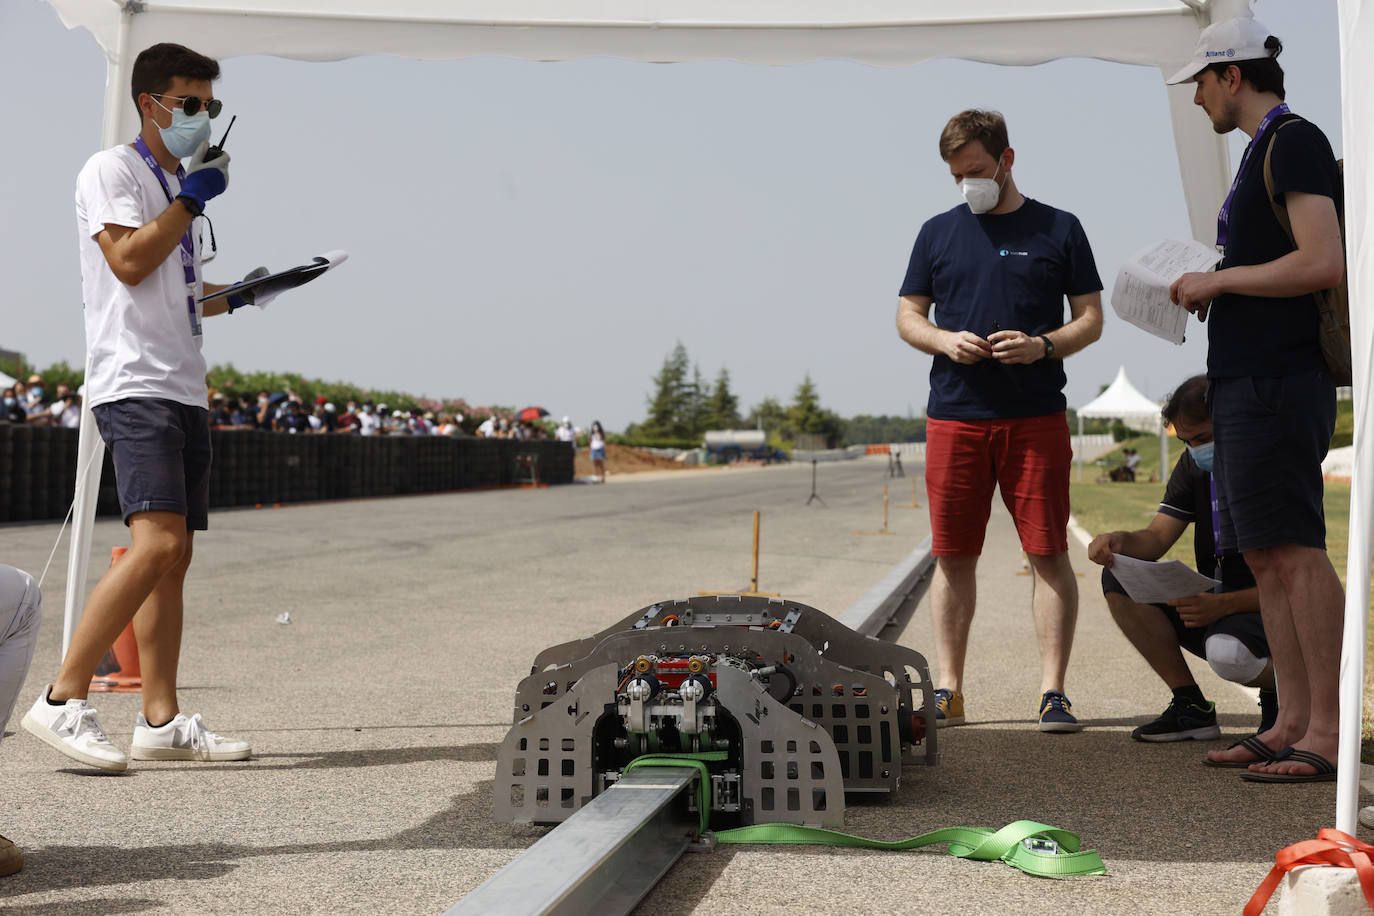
[(1101, 507)]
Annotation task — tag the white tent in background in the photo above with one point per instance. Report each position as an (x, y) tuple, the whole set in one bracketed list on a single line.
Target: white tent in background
[(1157, 33), (6, 381), (1123, 402)]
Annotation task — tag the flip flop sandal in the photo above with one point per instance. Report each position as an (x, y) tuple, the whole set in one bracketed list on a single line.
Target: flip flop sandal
[(1325, 771), (1263, 753)]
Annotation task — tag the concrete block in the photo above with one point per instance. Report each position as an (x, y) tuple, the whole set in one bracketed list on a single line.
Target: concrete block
[(1322, 890)]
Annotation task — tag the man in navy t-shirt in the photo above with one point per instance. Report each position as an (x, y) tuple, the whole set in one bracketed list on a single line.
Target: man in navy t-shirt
[(1272, 398), (997, 269)]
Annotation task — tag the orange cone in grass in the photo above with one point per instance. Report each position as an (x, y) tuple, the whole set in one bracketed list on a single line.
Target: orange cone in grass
[(118, 671)]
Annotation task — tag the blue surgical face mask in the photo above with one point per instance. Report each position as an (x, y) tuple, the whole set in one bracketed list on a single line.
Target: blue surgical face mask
[(10, 402), (36, 394), (1202, 455), (186, 133)]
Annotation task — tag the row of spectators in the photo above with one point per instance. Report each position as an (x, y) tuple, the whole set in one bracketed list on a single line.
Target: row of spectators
[(28, 402), (287, 412)]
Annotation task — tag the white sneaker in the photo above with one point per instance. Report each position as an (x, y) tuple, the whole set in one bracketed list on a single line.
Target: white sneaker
[(74, 730), (184, 739)]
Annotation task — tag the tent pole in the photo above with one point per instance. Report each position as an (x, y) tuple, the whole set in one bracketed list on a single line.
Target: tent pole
[(1163, 451), (90, 449), (1356, 28)]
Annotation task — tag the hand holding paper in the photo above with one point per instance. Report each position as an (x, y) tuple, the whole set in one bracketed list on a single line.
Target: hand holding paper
[(1142, 294), (260, 287), (1153, 583)]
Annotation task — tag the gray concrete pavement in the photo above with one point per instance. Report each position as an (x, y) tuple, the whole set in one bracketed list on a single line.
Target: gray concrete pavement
[(376, 714)]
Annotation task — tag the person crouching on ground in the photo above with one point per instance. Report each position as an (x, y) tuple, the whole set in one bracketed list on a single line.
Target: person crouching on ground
[(1222, 627)]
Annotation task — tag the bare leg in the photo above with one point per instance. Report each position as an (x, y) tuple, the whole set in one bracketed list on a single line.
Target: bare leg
[(158, 545), (1153, 637), (157, 626), (1307, 652), (1054, 600), (953, 594)]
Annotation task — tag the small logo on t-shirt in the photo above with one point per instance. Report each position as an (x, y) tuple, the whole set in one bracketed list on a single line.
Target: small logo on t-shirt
[(1007, 252)]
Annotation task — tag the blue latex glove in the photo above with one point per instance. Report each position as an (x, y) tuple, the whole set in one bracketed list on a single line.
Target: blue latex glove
[(249, 296), (204, 180)]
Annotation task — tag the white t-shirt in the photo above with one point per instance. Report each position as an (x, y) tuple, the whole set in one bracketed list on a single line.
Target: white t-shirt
[(139, 338)]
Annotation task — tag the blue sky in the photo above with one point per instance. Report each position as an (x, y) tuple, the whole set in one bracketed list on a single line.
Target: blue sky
[(526, 232)]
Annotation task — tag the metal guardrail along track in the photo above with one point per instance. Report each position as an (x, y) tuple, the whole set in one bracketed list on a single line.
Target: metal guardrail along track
[(609, 855)]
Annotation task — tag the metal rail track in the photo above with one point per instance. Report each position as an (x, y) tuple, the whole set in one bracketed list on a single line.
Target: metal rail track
[(609, 855)]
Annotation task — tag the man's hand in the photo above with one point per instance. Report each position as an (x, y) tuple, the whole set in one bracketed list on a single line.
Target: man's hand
[(238, 300), (204, 180), (1195, 292), (1104, 545), (1200, 610), (1016, 348), (966, 347)]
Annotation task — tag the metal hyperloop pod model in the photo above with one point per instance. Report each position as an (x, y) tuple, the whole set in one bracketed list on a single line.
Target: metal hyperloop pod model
[(752, 710), (803, 708)]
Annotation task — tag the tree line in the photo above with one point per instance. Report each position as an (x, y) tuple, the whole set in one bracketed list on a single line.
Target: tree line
[(681, 407)]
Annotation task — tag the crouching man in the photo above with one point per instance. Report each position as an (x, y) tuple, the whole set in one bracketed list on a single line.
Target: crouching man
[(1223, 627)]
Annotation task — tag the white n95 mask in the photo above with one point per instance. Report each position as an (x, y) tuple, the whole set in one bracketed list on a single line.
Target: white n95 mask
[(982, 194)]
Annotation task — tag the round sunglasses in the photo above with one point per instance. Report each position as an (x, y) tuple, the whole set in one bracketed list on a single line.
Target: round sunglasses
[(191, 104)]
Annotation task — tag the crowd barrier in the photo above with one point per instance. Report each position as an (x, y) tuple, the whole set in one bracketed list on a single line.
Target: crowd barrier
[(38, 468)]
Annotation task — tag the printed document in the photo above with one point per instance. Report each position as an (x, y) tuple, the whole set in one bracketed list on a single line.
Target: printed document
[(1141, 293), (1153, 583)]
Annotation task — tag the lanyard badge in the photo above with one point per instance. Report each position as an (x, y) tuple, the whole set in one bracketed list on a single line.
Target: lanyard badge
[(187, 246)]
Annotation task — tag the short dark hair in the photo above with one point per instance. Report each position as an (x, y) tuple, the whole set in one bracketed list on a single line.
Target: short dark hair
[(1264, 74), (987, 127), (156, 67), (1188, 402)]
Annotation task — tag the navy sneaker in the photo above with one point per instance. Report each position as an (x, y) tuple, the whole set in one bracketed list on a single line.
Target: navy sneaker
[(949, 708), (1056, 713), (1182, 721)]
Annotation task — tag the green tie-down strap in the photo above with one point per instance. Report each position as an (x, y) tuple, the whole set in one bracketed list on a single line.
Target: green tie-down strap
[(1034, 848)]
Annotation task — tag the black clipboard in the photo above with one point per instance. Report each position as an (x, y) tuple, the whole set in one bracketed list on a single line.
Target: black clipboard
[(273, 284)]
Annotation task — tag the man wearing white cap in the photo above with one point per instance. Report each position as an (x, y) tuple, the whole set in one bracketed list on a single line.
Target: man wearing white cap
[(1271, 394)]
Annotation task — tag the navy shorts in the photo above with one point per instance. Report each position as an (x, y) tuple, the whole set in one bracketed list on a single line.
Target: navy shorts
[(1271, 435), (161, 452), (1248, 628)]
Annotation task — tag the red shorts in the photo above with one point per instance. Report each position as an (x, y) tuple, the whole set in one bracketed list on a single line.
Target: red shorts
[(1027, 457)]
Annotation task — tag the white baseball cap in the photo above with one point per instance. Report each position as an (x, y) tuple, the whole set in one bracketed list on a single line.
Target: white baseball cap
[(1225, 42)]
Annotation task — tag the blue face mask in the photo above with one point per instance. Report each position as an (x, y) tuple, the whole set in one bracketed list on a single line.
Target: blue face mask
[(1202, 455), (36, 394), (10, 402), (186, 133)]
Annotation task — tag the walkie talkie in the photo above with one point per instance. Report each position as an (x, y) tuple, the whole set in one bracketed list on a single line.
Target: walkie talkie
[(215, 151)]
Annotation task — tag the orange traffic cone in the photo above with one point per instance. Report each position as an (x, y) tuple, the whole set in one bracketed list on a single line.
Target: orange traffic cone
[(118, 671)]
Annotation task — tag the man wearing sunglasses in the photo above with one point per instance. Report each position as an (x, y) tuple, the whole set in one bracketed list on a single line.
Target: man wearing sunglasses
[(141, 281)]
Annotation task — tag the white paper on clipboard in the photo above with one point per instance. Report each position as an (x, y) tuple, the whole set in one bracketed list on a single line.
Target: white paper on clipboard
[(267, 288)]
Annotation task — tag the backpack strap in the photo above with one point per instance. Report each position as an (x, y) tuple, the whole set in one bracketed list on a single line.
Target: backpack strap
[(1280, 210)]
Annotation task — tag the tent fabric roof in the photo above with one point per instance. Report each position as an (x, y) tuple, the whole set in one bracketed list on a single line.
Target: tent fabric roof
[(1158, 33), (1121, 399), (883, 32)]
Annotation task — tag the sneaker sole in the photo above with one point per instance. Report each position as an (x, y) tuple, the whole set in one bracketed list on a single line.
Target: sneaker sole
[(1206, 733), (945, 723), (45, 734), (1061, 727), (179, 753)]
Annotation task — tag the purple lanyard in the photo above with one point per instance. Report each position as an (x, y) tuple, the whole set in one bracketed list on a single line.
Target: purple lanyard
[(1224, 217), (1216, 527), (188, 251)]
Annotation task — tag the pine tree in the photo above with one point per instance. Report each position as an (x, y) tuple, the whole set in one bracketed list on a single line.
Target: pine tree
[(667, 406), (722, 407), (807, 416)]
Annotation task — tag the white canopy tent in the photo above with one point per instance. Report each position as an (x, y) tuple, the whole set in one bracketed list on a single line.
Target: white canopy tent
[(1120, 400), (1159, 33)]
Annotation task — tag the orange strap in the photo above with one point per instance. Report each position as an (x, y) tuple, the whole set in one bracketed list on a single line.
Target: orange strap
[(1331, 847)]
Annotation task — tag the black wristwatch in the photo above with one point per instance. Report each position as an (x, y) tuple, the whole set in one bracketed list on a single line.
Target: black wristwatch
[(1049, 346)]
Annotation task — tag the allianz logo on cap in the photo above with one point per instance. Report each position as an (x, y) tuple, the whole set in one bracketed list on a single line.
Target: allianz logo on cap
[(1229, 52)]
